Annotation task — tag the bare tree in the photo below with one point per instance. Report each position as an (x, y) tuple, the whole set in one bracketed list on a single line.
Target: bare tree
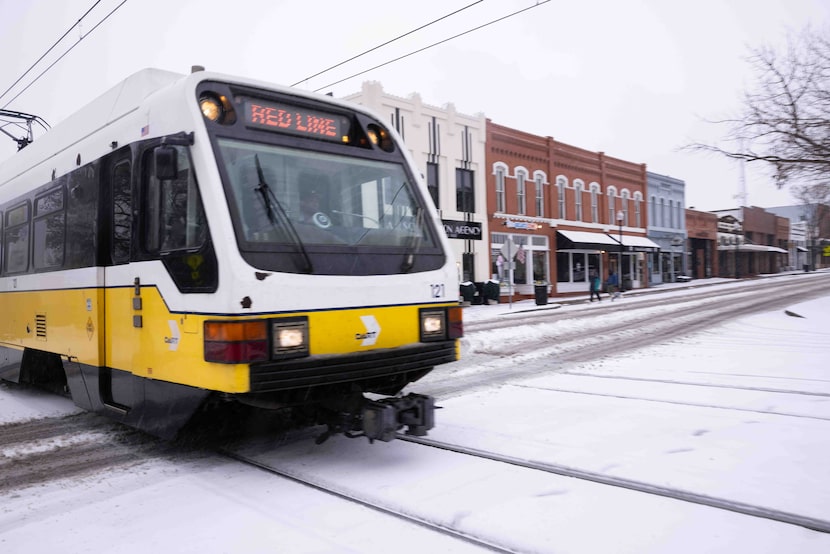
[(785, 118)]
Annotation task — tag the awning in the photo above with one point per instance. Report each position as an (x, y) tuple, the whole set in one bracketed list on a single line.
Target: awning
[(637, 244), (584, 240), (753, 248), (801, 249)]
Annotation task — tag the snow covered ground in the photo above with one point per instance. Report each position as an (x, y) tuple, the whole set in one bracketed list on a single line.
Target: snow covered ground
[(739, 412)]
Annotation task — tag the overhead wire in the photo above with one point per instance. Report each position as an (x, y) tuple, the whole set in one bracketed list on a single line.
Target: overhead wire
[(387, 43), (42, 73), (536, 5), (31, 67), (497, 20)]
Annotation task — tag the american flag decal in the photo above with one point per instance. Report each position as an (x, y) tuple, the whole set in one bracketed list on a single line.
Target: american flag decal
[(145, 130)]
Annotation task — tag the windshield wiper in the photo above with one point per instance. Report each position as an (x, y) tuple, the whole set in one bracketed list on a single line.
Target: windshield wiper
[(274, 209)]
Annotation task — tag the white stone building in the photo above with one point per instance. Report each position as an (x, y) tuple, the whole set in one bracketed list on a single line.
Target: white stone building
[(448, 147)]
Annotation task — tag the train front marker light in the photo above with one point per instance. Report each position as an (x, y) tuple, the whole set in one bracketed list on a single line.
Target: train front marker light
[(380, 137)]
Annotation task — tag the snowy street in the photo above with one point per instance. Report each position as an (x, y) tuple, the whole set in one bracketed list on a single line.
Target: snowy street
[(712, 439)]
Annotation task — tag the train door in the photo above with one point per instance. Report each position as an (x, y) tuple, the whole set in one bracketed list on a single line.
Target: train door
[(116, 384)]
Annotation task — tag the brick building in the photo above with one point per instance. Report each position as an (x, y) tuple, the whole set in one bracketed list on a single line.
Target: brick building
[(751, 241), (557, 214), (702, 229)]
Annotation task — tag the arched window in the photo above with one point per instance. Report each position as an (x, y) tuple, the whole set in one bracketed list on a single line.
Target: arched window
[(595, 202), (578, 187), (612, 207), (561, 184), (540, 179), (500, 171), (521, 193)]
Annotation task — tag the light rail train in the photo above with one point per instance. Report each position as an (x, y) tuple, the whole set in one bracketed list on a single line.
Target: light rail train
[(186, 242)]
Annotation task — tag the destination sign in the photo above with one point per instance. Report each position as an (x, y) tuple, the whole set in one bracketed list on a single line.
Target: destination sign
[(295, 120)]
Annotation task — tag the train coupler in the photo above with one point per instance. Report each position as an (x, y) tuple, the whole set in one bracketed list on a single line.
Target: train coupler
[(383, 418)]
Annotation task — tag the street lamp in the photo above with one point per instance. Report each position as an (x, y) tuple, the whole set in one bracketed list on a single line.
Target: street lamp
[(620, 217)]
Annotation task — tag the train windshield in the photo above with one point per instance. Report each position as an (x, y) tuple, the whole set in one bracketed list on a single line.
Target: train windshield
[(287, 196)]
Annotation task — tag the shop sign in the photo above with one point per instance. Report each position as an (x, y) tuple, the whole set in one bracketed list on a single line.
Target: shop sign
[(469, 230), (522, 225)]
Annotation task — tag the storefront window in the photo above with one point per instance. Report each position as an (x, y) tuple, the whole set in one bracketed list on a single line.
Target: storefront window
[(563, 267), (540, 267), (594, 264), (576, 267), (531, 260)]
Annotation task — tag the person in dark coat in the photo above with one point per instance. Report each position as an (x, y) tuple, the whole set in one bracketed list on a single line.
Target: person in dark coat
[(595, 285), (613, 285)]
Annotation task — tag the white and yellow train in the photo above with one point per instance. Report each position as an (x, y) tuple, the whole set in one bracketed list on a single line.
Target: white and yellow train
[(189, 241)]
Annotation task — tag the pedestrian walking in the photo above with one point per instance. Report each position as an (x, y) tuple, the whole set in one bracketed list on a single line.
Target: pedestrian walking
[(595, 285), (613, 285)]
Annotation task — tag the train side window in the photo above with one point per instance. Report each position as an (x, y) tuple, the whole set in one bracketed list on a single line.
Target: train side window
[(82, 221), (175, 217), (16, 239), (49, 229), (2, 260), (122, 211)]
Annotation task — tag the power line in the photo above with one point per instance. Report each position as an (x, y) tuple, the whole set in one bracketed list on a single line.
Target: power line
[(536, 5), (42, 73), (31, 67), (386, 43)]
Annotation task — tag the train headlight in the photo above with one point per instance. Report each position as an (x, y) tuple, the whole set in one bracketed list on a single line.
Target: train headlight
[(216, 108), (289, 337), (441, 324), (433, 325)]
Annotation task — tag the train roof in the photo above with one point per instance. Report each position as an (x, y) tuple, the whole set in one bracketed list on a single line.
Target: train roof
[(107, 108), (57, 152), (118, 103)]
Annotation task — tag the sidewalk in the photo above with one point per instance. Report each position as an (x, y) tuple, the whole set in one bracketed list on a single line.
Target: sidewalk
[(483, 311)]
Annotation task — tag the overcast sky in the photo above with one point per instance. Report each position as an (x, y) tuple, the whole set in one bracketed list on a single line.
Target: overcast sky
[(633, 79)]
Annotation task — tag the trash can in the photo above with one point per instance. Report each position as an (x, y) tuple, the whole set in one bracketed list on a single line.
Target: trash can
[(806, 268), (541, 292), (467, 291), (479, 294), (491, 292)]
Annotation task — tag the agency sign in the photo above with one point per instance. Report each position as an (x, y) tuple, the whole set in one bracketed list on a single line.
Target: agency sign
[(469, 230)]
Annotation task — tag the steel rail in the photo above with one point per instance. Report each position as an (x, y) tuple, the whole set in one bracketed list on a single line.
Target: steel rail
[(781, 516)]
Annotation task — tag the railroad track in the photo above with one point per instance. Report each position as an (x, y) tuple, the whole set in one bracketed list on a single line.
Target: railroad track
[(811, 523), (376, 506), (55, 448)]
